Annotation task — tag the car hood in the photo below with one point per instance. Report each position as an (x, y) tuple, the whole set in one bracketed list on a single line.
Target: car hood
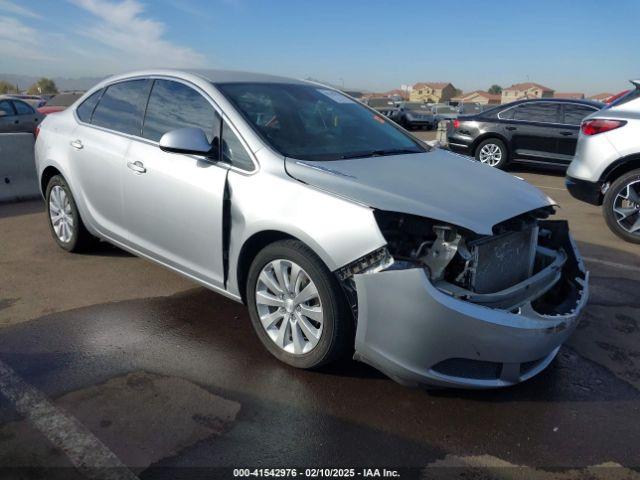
[(437, 184)]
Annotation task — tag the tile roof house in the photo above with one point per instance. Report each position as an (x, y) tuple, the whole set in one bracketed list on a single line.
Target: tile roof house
[(478, 96), (432, 92), (521, 91), (571, 96)]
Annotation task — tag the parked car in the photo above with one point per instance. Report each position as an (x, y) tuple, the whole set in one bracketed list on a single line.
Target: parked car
[(415, 115), (333, 225), (471, 108), (532, 131), (59, 102), (35, 101), (17, 116), (385, 106), (615, 97), (443, 111), (606, 167)]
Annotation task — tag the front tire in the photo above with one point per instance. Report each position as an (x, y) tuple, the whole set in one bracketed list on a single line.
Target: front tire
[(492, 152), (64, 219), (297, 307), (621, 207)]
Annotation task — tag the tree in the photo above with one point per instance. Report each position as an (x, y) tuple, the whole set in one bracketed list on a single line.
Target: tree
[(42, 87), (6, 87), (495, 89)]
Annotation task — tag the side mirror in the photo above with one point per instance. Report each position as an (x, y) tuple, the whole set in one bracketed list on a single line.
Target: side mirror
[(190, 141)]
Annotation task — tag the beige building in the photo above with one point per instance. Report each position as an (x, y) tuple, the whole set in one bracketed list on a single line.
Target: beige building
[(478, 96), (521, 91), (570, 96), (432, 92)]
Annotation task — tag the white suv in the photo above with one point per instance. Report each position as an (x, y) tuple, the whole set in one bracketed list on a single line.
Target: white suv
[(606, 168)]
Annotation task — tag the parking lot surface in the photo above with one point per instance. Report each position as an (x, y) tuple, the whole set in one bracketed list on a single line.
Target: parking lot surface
[(108, 351)]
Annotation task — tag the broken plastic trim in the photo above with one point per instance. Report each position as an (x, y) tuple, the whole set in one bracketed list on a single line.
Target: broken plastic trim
[(517, 295)]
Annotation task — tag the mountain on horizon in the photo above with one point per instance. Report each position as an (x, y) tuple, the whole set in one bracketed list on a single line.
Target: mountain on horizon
[(25, 81)]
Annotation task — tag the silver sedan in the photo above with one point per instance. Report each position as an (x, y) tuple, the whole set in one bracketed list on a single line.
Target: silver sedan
[(341, 232)]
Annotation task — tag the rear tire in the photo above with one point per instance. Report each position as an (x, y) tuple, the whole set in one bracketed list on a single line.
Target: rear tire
[(277, 324), (620, 202), (65, 223), (492, 152)]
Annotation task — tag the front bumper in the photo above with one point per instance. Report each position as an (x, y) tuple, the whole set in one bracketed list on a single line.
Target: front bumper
[(584, 190), (419, 335), (420, 122)]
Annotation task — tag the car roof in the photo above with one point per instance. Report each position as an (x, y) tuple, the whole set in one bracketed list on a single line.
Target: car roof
[(213, 76), (593, 103)]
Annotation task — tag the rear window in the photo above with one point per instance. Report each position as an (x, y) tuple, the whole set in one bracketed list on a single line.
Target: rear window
[(85, 110), (632, 95)]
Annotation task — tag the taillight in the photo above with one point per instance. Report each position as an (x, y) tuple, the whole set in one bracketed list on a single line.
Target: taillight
[(36, 131), (456, 124), (595, 126)]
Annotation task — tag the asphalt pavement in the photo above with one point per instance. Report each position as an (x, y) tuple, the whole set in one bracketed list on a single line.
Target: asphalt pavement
[(159, 378)]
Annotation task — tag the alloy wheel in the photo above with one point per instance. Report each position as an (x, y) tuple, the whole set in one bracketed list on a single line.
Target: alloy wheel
[(626, 207), (491, 154), (289, 306), (60, 214)]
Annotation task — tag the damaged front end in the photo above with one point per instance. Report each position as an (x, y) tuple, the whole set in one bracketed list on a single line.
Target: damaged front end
[(441, 305)]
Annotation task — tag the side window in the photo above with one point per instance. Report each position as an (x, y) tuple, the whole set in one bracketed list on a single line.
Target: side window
[(121, 107), (233, 152), (85, 110), (573, 114), (507, 114), (7, 108), (23, 108), (174, 105), (538, 112)]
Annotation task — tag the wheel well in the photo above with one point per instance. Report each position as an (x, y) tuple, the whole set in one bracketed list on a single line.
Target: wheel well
[(249, 251), (488, 136), (47, 175), (619, 168)]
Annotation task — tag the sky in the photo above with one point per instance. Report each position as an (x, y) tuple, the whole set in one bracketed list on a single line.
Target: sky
[(571, 46)]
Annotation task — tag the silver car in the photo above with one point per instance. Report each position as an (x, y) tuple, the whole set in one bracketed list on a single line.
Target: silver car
[(341, 232), (606, 168)]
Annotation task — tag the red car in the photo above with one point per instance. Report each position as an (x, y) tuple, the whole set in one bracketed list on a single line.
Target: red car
[(613, 98), (59, 103)]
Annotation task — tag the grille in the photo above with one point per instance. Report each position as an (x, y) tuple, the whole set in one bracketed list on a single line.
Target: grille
[(503, 260)]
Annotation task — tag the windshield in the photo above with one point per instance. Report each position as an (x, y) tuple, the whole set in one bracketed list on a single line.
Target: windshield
[(416, 106), (445, 109), (315, 123)]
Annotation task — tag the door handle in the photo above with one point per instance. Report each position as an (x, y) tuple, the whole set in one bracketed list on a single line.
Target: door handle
[(16, 122), (566, 134), (511, 128), (77, 144), (137, 167)]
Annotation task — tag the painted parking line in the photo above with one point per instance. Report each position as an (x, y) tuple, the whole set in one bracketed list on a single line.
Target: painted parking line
[(606, 263), (88, 454)]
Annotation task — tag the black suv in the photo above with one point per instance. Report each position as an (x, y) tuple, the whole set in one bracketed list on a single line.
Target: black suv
[(541, 131)]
